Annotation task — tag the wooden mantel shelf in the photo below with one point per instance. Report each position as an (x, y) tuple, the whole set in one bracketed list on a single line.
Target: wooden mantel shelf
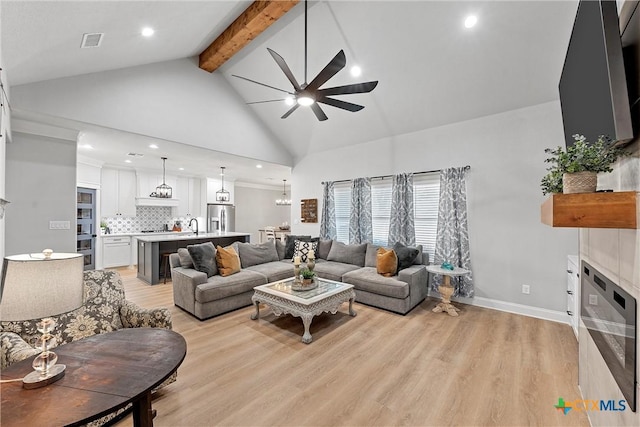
[(591, 210)]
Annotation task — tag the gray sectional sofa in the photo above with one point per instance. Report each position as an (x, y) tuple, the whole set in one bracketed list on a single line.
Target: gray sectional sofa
[(205, 297)]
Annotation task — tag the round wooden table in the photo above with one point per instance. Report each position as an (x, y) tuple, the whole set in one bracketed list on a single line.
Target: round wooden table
[(104, 373), (445, 289)]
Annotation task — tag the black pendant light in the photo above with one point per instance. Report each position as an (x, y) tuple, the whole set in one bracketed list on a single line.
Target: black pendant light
[(284, 201), (163, 191), (222, 195)]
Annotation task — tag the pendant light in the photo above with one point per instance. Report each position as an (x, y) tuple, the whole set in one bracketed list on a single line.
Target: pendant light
[(163, 191), (284, 201), (222, 195)]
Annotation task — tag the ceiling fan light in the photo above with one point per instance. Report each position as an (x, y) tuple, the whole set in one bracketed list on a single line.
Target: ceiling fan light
[(305, 100), (289, 101)]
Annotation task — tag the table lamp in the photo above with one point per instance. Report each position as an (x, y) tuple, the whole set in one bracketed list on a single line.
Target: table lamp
[(36, 286)]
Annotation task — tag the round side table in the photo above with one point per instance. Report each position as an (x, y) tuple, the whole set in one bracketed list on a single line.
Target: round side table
[(445, 289)]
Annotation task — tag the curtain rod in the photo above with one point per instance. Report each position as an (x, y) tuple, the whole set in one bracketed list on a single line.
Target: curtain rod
[(467, 167)]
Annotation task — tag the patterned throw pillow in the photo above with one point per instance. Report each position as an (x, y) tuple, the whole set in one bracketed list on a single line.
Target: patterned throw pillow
[(302, 249)]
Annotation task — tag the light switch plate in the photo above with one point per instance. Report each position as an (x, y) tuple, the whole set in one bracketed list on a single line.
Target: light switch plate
[(59, 225)]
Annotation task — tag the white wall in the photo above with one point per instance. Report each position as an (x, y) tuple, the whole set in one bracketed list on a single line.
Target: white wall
[(256, 208), (41, 188), (4, 119), (173, 100), (509, 244)]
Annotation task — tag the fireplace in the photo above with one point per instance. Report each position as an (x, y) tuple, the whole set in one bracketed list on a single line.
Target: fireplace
[(609, 313)]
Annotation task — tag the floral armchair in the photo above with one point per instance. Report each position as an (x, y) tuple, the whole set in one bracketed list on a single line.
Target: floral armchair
[(105, 310)]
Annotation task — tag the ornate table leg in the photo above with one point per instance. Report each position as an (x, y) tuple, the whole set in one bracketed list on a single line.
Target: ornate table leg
[(352, 312), (255, 315), (446, 290), (306, 321)]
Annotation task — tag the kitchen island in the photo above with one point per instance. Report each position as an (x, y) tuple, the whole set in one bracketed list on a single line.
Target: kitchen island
[(151, 249)]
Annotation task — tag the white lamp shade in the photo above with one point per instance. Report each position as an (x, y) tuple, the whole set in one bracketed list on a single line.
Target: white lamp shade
[(33, 287)]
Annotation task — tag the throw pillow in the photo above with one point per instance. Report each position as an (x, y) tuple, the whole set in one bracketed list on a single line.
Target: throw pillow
[(387, 262), (204, 258), (280, 249), (289, 244), (349, 254), (254, 254), (405, 254), (185, 258), (228, 261), (302, 249), (324, 246), (371, 256)]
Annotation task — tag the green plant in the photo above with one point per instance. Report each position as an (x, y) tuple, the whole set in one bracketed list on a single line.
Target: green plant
[(103, 224), (582, 156), (307, 274)]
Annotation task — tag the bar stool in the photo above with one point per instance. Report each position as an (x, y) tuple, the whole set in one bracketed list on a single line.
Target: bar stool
[(165, 264)]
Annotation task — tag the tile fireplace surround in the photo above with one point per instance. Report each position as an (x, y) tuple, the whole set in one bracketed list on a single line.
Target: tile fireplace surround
[(616, 254)]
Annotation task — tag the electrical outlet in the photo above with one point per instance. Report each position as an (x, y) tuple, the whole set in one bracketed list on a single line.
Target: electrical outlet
[(525, 289), (593, 299)]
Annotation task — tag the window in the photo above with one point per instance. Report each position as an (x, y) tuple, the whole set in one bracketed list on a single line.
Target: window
[(426, 196)]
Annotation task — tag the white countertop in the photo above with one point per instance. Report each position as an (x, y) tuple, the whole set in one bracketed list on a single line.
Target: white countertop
[(159, 237), (138, 233)]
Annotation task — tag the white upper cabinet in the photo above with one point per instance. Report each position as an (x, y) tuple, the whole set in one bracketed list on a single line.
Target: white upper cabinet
[(147, 183), (118, 195), (190, 203)]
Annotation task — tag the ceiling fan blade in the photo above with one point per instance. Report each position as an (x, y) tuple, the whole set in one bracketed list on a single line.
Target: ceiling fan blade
[(341, 104), (285, 69), (337, 63), (288, 113), (348, 89), (262, 84), (318, 112), (263, 102)]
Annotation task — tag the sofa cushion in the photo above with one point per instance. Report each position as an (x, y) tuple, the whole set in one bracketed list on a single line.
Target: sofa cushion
[(367, 279), (406, 255), (324, 246), (371, 256), (219, 287), (290, 241), (350, 254), (303, 249), (254, 254), (387, 262), (185, 258), (280, 249), (227, 260), (333, 270), (204, 258), (274, 271)]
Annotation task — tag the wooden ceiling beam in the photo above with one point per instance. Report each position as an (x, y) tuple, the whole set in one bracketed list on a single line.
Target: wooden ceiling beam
[(251, 23)]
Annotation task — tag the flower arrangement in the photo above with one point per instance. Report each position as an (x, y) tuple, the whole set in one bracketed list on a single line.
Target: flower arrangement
[(307, 274), (582, 156)]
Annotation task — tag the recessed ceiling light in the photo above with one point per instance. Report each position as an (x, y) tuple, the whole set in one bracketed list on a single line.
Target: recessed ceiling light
[(289, 100), (181, 169), (154, 146), (356, 71), (470, 21), (259, 166), (147, 31), (87, 146), (127, 161)]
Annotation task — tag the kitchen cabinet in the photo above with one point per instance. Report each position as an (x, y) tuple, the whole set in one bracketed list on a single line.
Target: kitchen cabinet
[(116, 251), (190, 200), (147, 183), (573, 292), (118, 193)]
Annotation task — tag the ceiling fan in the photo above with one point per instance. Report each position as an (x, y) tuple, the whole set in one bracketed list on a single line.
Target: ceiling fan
[(310, 94)]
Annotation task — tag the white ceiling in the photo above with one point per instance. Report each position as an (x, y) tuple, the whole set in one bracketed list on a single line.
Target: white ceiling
[(432, 71)]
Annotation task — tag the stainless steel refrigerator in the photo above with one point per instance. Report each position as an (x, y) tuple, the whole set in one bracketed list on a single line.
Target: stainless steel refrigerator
[(221, 218)]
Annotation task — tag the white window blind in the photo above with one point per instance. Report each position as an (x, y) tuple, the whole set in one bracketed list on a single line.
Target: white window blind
[(426, 197), (381, 210), (342, 195)]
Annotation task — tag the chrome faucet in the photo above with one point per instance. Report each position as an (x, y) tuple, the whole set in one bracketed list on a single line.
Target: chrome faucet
[(190, 221)]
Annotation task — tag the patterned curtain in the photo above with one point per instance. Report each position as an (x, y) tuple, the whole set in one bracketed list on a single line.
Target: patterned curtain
[(452, 241), (360, 220), (401, 226), (328, 217)]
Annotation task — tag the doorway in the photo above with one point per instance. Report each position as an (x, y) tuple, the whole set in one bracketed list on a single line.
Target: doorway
[(86, 226)]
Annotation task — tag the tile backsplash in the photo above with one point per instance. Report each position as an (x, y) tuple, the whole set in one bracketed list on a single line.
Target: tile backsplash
[(147, 218)]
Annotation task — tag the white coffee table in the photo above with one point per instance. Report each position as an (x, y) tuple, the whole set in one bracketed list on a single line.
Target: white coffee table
[(445, 289), (326, 298)]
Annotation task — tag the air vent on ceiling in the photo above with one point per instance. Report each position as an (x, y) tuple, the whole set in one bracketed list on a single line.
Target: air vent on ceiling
[(135, 154), (91, 40)]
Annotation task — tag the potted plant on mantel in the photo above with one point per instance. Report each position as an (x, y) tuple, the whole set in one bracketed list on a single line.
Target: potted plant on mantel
[(575, 170)]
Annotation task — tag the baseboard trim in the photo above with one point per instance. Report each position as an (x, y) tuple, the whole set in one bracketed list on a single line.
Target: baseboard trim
[(510, 307)]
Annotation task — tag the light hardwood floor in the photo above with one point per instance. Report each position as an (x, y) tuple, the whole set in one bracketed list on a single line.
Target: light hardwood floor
[(483, 368)]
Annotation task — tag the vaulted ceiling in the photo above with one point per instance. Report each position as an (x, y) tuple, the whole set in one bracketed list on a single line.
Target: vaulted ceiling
[(432, 70)]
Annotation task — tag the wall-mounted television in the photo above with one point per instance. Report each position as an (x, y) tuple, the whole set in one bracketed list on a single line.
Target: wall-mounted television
[(593, 86)]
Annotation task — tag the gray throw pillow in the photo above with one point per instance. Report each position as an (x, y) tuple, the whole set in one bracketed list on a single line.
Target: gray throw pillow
[(349, 254), (254, 254), (289, 243), (280, 249), (324, 246), (406, 255), (204, 258), (418, 259), (371, 257), (185, 258)]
